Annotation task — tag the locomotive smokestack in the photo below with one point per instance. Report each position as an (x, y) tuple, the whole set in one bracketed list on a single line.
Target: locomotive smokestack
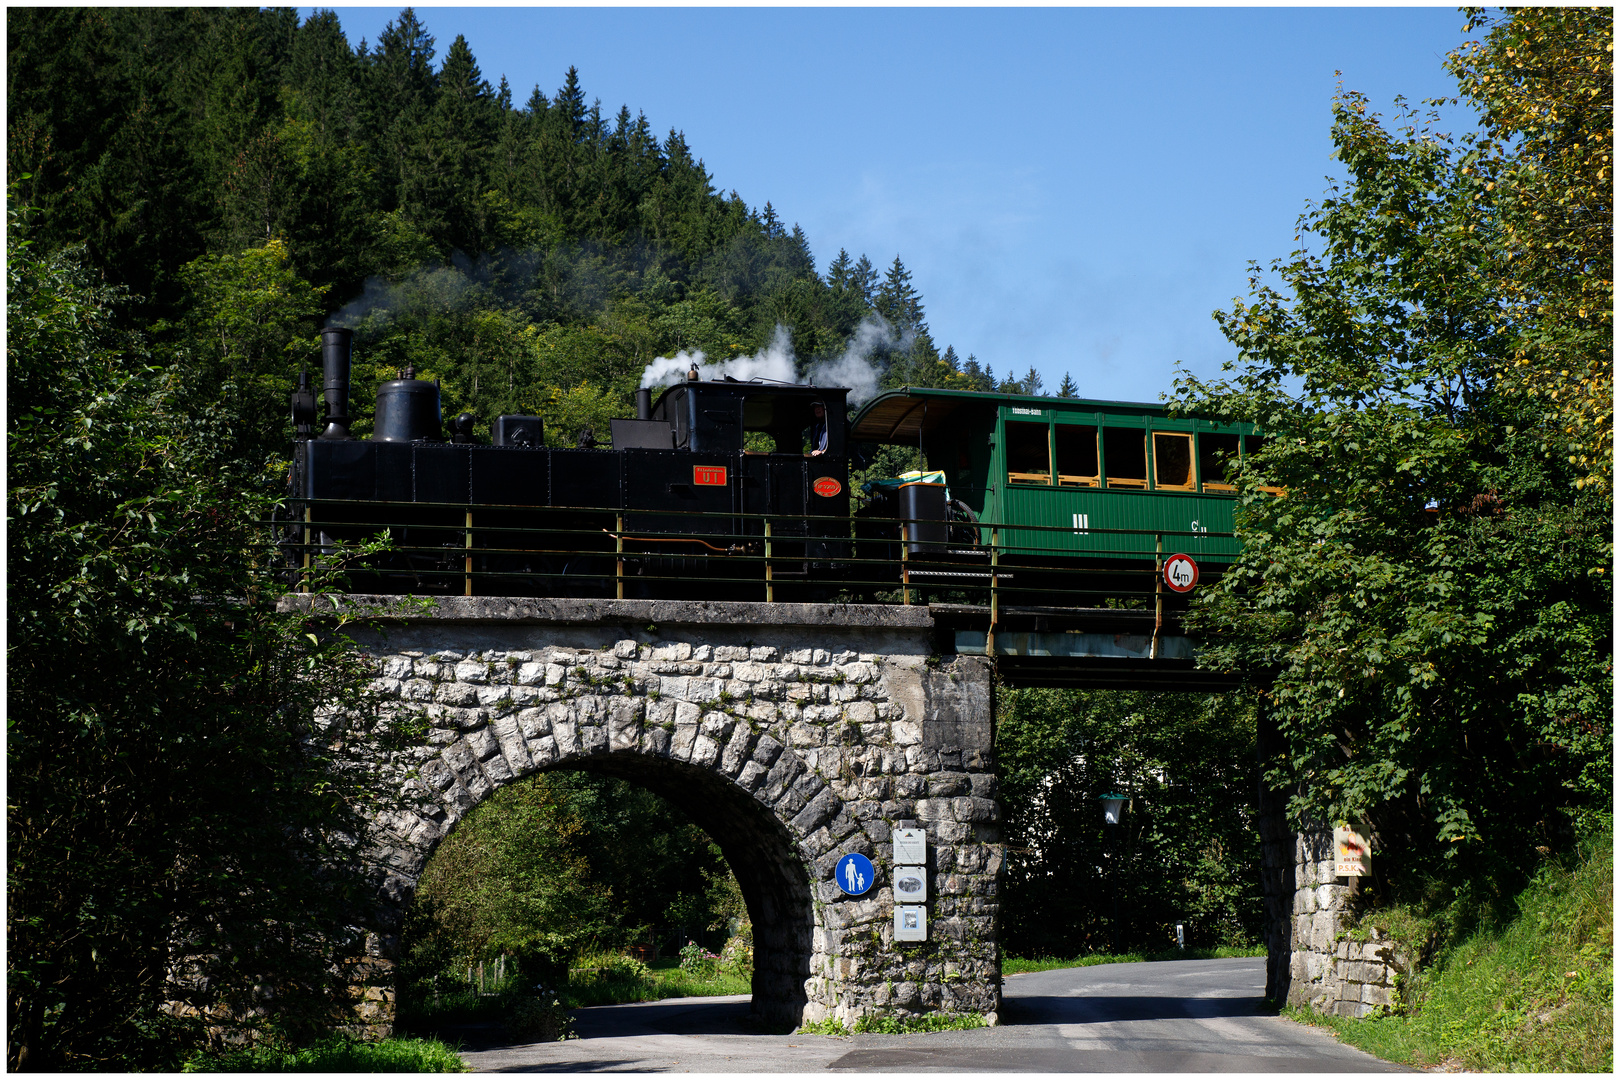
[(644, 403), (336, 343)]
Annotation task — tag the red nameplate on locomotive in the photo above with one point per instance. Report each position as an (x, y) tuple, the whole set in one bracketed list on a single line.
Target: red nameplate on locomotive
[(709, 475), (826, 487)]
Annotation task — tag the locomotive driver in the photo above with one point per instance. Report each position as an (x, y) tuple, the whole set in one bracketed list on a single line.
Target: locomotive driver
[(818, 430)]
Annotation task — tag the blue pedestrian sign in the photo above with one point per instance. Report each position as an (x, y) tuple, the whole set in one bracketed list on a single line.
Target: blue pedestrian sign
[(855, 874)]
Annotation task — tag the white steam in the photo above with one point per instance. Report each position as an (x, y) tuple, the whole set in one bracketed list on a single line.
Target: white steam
[(853, 368), (774, 362)]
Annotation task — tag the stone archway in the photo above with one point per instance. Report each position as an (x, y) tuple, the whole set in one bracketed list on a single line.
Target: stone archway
[(770, 864), (790, 733)]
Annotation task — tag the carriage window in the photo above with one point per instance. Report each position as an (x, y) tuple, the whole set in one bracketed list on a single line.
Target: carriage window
[(1125, 455), (1076, 455), (1172, 461), (1217, 461), (1029, 455)]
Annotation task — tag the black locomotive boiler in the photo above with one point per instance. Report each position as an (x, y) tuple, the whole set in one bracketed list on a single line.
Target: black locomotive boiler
[(710, 491)]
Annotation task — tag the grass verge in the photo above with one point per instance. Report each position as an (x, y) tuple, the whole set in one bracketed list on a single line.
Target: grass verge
[(617, 982), (1017, 965), (896, 1025), (1536, 995), (653, 986), (338, 1054)]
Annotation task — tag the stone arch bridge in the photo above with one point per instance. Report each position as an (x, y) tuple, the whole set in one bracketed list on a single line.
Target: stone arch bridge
[(791, 733)]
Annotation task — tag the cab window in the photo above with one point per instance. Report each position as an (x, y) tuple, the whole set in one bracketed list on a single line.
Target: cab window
[(1217, 460)]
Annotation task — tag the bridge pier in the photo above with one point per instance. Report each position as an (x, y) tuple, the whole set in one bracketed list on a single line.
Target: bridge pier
[(792, 733), (1309, 961)]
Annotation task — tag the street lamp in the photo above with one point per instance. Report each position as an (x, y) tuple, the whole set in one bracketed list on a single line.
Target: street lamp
[(1113, 806)]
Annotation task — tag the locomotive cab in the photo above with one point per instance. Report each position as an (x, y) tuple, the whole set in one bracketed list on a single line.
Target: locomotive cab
[(721, 416)]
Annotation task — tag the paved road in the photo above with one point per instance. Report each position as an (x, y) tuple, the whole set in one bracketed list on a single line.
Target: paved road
[(1184, 1016)]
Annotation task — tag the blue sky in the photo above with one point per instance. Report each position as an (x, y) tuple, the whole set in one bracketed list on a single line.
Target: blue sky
[(1074, 189)]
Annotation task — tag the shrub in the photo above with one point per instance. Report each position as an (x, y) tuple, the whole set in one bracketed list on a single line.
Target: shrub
[(620, 968), (737, 957), (538, 1019), (697, 961)]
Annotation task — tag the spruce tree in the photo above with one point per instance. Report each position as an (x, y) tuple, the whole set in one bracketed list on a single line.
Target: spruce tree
[(840, 271)]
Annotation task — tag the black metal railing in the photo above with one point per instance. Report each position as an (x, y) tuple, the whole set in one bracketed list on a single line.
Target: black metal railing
[(988, 566)]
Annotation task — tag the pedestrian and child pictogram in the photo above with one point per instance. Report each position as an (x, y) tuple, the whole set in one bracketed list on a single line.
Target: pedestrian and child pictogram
[(854, 874)]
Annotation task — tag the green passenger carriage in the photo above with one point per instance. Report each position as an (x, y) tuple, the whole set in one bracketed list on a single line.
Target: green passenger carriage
[(1064, 478)]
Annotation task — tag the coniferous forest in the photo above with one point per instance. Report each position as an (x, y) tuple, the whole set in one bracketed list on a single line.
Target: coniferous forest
[(247, 176), (1422, 625)]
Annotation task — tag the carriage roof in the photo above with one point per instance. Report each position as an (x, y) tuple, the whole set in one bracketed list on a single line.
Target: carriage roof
[(898, 416)]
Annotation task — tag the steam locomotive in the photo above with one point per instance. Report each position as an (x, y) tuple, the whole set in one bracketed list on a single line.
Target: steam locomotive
[(683, 497), (720, 488)]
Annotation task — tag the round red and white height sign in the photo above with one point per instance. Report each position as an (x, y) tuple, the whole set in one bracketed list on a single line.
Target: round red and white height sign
[(1180, 573)]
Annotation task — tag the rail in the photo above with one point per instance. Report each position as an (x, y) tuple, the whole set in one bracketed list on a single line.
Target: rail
[(986, 566)]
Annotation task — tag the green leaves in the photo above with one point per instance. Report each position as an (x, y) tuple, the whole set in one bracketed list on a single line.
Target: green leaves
[(1188, 850), (164, 808), (1415, 596)]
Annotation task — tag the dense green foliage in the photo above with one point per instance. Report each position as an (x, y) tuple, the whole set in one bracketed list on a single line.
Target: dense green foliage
[(1532, 994), (1428, 608), (246, 174), (1543, 80), (179, 823), (560, 865), (1186, 849)]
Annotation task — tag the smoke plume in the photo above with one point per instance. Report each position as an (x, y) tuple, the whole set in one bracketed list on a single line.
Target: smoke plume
[(852, 368)]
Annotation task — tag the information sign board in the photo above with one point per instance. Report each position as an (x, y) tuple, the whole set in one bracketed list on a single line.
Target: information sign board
[(1352, 853), (910, 847), (910, 885), (911, 923)]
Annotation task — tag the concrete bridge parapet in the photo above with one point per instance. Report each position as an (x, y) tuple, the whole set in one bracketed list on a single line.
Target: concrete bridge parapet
[(792, 733)]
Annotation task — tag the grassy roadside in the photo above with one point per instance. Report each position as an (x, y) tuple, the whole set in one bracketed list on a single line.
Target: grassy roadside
[(1535, 995), (660, 979), (338, 1054), (614, 980), (1017, 965)]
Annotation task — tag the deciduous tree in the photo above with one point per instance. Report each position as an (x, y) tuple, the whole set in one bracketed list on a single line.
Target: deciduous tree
[(1427, 605), (179, 824)]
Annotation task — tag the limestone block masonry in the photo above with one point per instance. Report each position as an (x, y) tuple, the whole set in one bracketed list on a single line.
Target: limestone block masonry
[(1329, 972), (791, 733)]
